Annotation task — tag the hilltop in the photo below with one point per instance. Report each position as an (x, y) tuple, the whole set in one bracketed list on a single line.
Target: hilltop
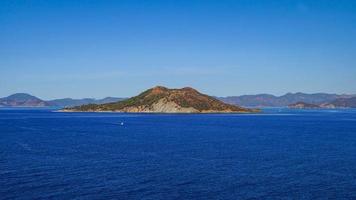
[(163, 100), (22, 100)]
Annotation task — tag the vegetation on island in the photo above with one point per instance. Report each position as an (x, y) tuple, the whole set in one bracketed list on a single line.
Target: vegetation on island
[(183, 98)]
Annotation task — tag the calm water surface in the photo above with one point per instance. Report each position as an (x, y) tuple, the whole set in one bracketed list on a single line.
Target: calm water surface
[(281, 154)]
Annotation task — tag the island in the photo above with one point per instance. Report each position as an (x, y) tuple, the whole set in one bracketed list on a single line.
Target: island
[(342, 103), (163, 100), (349, 102), (303, 105)]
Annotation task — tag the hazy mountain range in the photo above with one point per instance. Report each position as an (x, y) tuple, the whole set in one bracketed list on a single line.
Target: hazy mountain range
[(22, 99), (27, 100), (66, 102), (259, 100), (337, 103), (268, 100)]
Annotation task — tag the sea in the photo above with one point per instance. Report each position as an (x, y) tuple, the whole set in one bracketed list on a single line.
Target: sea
[(277, 154)]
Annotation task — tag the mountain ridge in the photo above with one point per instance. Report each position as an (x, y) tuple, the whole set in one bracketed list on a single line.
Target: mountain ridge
[(69, 102), (268, 100), (337, 103), (27, 100)]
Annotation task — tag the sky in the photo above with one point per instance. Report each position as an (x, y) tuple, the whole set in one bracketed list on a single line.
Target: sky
[(56, 49)]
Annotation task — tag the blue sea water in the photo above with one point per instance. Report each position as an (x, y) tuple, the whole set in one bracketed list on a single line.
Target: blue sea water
[(280, 154)]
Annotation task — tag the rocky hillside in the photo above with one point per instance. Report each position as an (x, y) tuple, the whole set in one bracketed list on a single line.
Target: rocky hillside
[(163, 100)]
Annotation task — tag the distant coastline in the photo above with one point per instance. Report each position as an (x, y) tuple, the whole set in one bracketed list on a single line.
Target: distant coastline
[(328, 101)]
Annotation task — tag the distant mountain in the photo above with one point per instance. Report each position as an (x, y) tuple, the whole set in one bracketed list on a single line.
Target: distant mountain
[(69, 102), (341, 103), (22, 100), (261, 100), (109, 100), (337, 103), (267, 100), (163, 100), (27, 100), (303, 105)]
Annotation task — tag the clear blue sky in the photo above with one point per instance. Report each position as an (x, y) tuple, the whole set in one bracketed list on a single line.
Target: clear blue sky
[(55, 49)]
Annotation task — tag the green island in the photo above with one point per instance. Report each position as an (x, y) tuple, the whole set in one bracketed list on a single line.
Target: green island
[(163, 100)]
